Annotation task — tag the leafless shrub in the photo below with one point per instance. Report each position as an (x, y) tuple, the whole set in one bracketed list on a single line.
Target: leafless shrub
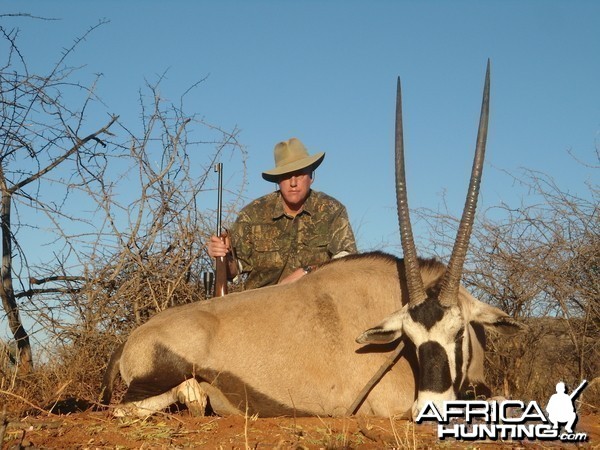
[(126, 220), (148, 254)]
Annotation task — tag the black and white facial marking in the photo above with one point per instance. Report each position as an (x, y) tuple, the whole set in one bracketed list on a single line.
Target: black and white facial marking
[(438, 333)]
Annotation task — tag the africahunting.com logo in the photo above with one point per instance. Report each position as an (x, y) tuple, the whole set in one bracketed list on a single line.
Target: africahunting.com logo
[(507, 420)]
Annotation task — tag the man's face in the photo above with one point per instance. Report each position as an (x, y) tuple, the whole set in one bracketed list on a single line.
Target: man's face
[(295, 187)]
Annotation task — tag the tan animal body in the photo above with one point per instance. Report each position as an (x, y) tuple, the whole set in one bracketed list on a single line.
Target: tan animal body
[(302, 348)]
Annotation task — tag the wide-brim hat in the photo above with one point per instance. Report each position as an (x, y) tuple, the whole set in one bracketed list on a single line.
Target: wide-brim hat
[(290, 156)]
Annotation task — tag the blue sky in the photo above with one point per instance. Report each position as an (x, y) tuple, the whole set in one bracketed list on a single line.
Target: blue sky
[(325, 72)]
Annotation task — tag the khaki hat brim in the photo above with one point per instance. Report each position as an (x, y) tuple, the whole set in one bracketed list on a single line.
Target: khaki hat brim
[(311, 161)]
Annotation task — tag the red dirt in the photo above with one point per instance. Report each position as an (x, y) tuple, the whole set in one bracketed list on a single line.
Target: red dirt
[(98, 430)]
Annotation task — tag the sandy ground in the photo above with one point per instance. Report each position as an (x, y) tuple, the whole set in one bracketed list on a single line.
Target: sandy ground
[(99, 430)]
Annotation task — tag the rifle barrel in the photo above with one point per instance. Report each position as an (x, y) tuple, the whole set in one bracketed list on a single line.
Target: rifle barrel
[(219, 170), (576, 392), (220, 287)]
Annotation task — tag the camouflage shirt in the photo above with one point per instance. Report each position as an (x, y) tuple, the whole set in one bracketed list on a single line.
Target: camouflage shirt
[(269, 244)]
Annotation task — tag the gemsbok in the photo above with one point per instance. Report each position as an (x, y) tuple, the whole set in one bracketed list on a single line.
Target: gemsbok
[(293, 349)]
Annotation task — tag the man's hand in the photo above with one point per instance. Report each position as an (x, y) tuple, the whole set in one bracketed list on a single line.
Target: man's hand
[(216, 246)]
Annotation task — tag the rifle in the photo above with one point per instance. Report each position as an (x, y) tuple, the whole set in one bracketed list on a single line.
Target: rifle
[(576, 392), (221, 261)]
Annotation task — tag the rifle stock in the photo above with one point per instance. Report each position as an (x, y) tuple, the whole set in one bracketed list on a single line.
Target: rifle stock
[(221, 261)]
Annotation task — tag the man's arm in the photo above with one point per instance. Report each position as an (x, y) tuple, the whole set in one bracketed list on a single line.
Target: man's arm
[(342, 237)]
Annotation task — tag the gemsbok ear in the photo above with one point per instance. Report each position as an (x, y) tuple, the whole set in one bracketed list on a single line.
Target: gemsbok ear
[(387, 331), (494, 319)]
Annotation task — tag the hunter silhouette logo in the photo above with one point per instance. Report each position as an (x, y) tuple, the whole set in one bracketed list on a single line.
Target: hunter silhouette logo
[(561, 407), (510, 419)]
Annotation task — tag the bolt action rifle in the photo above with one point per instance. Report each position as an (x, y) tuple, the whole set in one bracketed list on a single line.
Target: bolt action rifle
[(221, 261)]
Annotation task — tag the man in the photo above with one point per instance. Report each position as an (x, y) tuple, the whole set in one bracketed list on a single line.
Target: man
[(281, 236)]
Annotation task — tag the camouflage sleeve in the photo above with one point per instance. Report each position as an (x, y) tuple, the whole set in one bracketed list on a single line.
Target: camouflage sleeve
[(342, 236), (241, 242)]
